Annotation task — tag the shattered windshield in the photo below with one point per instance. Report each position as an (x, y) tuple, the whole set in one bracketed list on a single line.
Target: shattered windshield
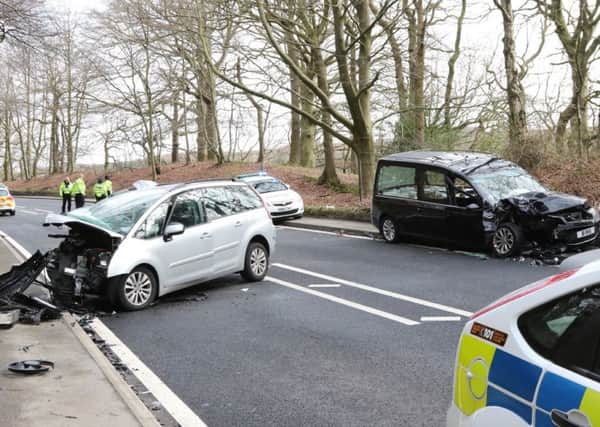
[(269, 186), (505, 182), (120, 212)]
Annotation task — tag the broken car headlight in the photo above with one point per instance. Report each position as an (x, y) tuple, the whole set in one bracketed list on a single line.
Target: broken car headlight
[(594, 213)]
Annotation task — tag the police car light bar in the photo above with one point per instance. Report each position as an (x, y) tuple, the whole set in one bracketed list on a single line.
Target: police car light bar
[(250, 175), (526, 291)]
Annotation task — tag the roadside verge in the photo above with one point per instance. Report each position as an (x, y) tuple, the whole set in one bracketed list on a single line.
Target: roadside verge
[(83, 389)]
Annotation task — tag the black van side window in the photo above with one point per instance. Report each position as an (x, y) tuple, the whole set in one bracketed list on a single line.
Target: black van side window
[(397, 181), (434, 187), (567, 331)]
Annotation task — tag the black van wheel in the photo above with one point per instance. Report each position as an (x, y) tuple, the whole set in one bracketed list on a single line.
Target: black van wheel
[(507, 240), (389, 230)]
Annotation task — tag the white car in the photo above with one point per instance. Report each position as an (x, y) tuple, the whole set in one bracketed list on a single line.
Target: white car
[(282, 202), (8, 205), (532, 358), (141, 244)]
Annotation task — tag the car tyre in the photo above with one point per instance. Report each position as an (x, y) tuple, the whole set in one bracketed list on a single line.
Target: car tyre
[(256, 263), (136, 290), (389, 230), (507, 240), (13, 213)]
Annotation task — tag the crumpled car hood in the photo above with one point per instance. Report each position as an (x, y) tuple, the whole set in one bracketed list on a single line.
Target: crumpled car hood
[(546, 203), (77, 225)]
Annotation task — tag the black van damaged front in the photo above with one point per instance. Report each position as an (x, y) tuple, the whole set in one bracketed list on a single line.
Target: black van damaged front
[(476, 201)]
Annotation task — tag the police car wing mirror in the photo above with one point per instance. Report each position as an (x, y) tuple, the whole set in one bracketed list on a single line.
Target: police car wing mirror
[(173, 229), (562, 419)]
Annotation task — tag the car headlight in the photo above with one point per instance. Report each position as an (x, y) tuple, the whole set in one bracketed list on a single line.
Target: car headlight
[(594, 213)]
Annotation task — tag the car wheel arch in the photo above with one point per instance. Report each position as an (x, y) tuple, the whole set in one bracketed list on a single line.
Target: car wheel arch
[(262, 240)]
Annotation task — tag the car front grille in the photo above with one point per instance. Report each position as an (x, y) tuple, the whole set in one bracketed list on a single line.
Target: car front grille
[(284, 213)]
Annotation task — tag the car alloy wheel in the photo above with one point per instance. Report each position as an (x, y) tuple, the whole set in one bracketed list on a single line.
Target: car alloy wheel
[(258, 261), (504, 241), (138, 288), (388, 230)]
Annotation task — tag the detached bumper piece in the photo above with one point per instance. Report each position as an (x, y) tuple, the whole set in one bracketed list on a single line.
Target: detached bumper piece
[(13, 285)]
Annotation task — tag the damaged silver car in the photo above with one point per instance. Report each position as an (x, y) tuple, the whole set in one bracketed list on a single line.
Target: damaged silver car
[(476, 201), (141, 244)]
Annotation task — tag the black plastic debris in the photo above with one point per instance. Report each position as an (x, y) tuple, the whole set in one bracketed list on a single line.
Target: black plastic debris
[(13, 284), (29, 367), (21, 276)]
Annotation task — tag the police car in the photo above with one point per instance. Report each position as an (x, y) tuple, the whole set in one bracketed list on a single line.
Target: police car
[(282, 202), (532, 358)]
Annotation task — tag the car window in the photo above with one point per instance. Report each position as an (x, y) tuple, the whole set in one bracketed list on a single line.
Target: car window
[(434, 187), (3, 192), (269, 186), (397, 181), (154, 223), (243, 199), (464, 193), (217, 202), (188, 210), (567, 330)]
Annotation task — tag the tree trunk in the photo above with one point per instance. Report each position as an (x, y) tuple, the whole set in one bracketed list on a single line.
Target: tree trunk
[(175, 131), (452, 64), (307, 128), (329, 174), (54, 140), (517, 119), (201, 153), (295, 145)]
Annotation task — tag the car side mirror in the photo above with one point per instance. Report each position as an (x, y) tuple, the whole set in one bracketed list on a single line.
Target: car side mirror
[(173, 229)]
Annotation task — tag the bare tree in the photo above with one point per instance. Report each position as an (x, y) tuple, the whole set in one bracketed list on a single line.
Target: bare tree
[(580, 43)]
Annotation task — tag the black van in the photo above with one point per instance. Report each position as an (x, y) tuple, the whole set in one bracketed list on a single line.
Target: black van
[(475, 201)]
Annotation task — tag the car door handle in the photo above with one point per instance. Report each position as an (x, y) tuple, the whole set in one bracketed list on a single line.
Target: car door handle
[(561, 419)]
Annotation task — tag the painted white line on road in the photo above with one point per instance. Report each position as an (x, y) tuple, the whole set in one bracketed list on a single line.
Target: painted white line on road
[(43, 210), (169, 400), (29, 212), (345, 302), (24, 253), (329, 233), (368, 288), (440, 318), (330, 285)]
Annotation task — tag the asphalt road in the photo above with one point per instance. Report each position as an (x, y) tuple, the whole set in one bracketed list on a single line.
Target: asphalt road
[(292, 352)]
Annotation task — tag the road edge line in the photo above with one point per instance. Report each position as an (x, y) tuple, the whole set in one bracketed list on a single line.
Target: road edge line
[(139, 410), (176, 407), (109, 372)]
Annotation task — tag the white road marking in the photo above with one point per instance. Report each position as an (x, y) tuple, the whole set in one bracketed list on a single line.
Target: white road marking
[(169, 400), (328, 285), (330, 233), (440, 318), (43, 210), (29, 212), (347, 303), (391, 294)]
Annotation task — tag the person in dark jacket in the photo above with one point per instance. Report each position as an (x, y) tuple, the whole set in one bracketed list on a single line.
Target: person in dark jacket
[(65, 192)]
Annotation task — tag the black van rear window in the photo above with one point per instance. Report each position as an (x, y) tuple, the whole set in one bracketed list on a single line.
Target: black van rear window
[(397, 181)]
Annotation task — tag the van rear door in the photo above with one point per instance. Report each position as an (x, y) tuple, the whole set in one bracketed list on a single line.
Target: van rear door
[(396, 195)]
